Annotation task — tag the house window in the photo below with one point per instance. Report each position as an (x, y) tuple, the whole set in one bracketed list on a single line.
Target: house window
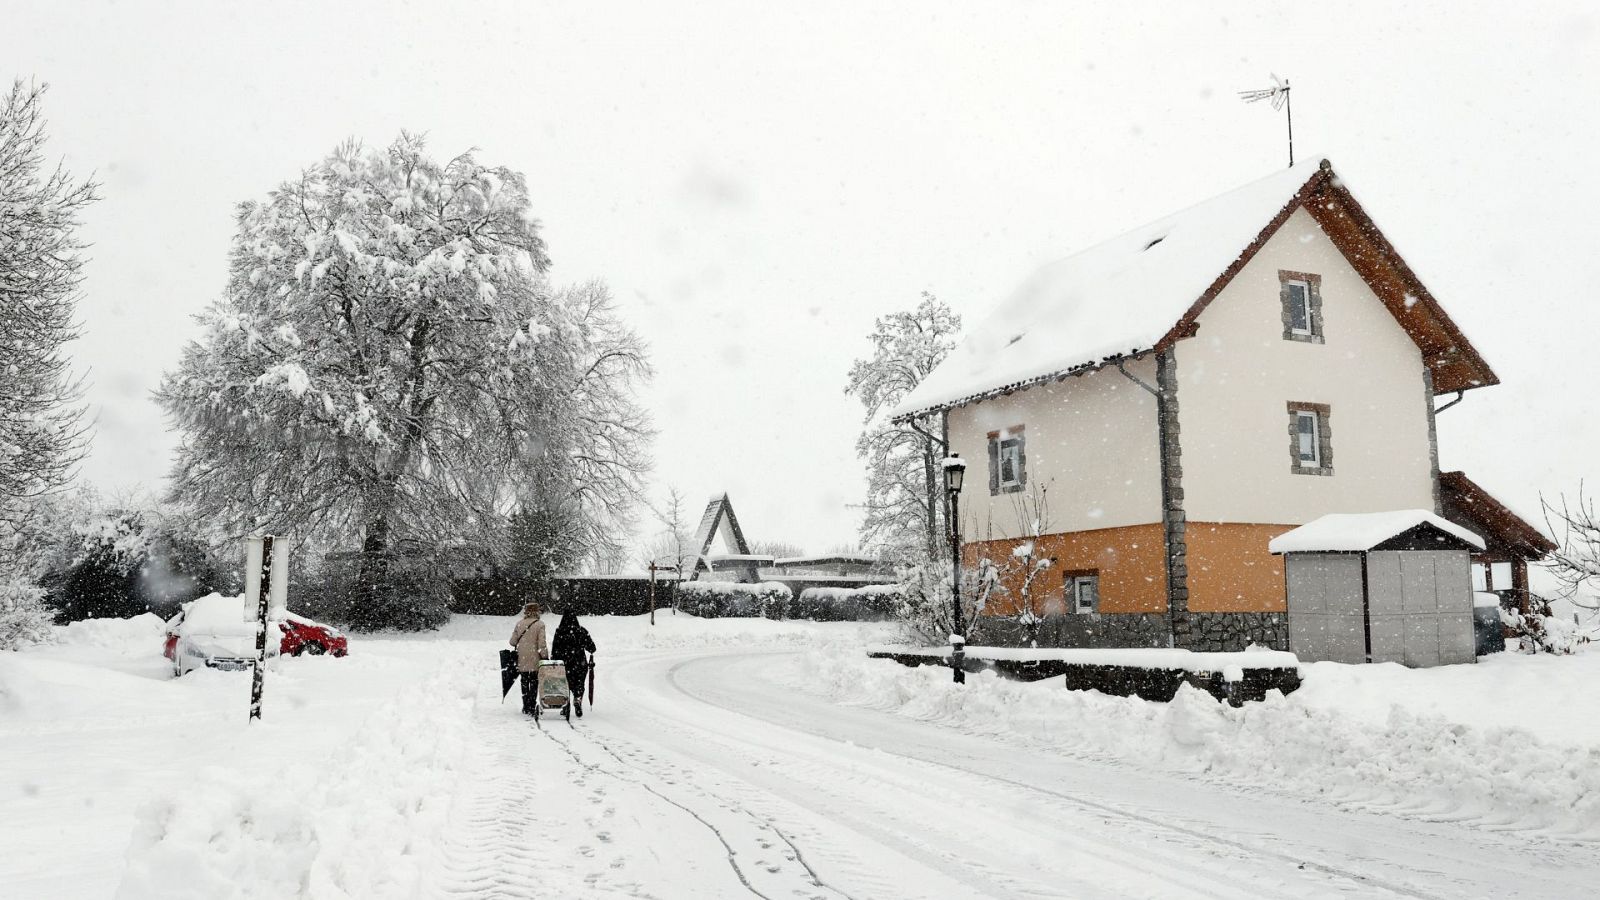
[(1301, 296), (1083, 591), (1310, 444), (1008, 460)]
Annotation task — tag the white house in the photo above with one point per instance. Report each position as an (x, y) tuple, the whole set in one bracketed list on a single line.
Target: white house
[(1186, 392)]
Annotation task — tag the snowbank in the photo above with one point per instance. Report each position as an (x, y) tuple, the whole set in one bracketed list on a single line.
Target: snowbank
[(142, 632), (1390, 758), (672, 630), (359, 822), (1131, 657)]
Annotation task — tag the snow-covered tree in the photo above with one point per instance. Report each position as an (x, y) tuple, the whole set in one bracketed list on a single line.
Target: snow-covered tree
[(904, 507), (42, 431), (387, 361)]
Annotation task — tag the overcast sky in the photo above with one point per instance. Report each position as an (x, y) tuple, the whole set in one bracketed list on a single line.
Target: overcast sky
[(757, 184)]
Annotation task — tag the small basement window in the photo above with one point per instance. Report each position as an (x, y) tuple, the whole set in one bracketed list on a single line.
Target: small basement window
[(1310, 447), (1083, 591)]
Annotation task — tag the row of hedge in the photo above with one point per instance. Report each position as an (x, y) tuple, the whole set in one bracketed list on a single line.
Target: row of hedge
[(774, 600)]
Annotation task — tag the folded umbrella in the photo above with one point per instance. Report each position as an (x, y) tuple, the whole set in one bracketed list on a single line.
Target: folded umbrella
[(508, 672)]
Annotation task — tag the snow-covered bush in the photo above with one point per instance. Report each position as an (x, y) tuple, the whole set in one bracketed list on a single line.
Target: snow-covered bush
[(24, 618), (1537, 630), (727, 599), (872, 603), (924, 610)]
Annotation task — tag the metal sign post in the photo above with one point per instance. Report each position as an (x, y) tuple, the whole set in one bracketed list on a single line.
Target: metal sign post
[(266, 579), (652, 592)]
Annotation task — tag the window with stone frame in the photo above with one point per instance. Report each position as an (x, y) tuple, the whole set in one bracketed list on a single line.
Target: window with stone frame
[(1300, 294), (1008, 461), (1082, 588), (1310, 439)]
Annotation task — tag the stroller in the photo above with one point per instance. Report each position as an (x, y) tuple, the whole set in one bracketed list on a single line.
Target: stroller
[(553, 692)]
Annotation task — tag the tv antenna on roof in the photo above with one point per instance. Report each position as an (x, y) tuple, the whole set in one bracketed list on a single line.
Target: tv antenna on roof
[(1279, 95)]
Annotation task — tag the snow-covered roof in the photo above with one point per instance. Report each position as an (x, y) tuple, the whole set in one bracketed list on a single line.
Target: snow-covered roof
[(1112, 300), (1355, 532)]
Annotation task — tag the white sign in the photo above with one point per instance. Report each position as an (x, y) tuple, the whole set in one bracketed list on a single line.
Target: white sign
[(278, 596)]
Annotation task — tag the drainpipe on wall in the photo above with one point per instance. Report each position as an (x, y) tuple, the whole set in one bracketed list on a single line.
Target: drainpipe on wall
[(1172, 519)]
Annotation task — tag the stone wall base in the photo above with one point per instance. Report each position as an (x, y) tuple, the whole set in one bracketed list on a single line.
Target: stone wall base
[(1212, 632), (1078, 630)]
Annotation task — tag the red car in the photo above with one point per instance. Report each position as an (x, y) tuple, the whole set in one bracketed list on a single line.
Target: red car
[(214, 632)]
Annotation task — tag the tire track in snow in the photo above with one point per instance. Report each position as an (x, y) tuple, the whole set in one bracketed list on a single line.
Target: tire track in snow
[(734, 863), (1148, 823), (488, 855), (762, 821)]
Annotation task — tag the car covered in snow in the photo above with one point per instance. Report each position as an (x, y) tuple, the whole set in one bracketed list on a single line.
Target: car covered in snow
[(213, 632)]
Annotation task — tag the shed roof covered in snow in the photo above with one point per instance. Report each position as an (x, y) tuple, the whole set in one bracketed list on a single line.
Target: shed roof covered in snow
[(1142, 291), (1359, 532)]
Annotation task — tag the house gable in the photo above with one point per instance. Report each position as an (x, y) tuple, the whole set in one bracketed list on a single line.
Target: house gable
[(1244, 388), (1145, 290), (1454, 363)]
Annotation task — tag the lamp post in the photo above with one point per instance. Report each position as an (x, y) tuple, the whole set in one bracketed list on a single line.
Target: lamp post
[(955, 471)]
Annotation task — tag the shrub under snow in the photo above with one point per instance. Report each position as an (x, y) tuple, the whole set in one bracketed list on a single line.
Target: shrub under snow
[(24, 618), (725, 599)]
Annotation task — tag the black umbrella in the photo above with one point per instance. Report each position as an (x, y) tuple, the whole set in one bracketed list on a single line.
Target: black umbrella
[(508, 672)]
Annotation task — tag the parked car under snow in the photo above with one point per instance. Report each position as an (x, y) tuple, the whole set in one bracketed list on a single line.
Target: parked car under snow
[(213, 632)]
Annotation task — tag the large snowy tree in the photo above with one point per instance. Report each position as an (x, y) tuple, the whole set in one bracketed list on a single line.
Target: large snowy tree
[(904, 511), (388, 361), (42, 432)]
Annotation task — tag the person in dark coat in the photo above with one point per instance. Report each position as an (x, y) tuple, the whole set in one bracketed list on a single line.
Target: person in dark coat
[(572, 645)]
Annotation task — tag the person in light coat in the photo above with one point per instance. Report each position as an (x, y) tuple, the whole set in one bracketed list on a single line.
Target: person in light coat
[(528, 639)]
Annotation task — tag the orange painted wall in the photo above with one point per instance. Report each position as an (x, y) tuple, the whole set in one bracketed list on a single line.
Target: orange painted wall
[(1230, 569), (1130, 561)]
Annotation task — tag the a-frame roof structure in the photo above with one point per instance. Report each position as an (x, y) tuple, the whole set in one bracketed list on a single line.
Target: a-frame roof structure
[(720, 520)]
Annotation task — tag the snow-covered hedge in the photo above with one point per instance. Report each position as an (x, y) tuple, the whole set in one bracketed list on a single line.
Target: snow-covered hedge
[(727, 599), (873, 603)]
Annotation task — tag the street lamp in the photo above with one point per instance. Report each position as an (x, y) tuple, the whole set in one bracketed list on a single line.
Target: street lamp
[(955, 472)]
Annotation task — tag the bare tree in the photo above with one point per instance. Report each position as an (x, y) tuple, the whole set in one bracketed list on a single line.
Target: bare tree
[(1028, 563), (1576, 560), (42, 430)]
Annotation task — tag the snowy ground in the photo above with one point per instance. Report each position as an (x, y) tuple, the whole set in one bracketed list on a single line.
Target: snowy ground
[(749, 758)]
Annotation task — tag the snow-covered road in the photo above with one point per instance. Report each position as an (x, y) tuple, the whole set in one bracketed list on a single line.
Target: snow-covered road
[(710, 773)]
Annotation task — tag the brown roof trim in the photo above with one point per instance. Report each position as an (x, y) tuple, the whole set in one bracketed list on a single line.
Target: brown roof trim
[(1464, 499), (1024, 384), (1187, 323), (1455, 363)]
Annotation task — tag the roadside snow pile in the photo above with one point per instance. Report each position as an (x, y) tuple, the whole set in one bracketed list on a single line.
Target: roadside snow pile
[(1397, 760), (142, 631), (359, 822)]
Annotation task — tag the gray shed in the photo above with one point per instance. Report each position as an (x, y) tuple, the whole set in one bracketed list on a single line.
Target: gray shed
[(1380, 587)]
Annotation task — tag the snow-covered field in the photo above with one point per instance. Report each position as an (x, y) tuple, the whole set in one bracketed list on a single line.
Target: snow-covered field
[(756, 758)]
